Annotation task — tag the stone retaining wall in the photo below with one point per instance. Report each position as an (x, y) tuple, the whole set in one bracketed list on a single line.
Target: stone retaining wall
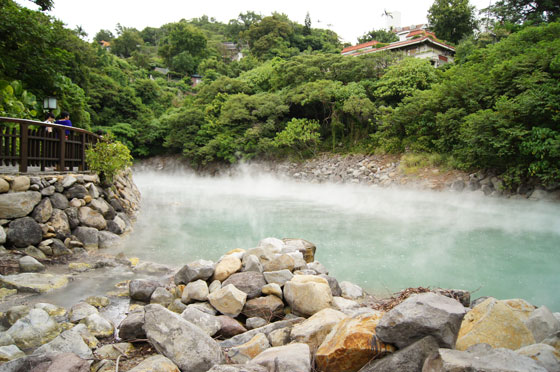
[(58, 215)]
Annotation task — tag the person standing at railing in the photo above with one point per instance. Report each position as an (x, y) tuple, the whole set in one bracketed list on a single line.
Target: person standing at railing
[(49, 120), (64, 120)]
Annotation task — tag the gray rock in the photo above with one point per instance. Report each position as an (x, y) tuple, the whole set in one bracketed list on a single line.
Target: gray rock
[(80, 311), (351, 290), (207, 322), (248, 367), (59, 201), (2, 235), (142, 289), (542, 323), (69, 341), (28, 264), (269, 307), (333, 283), (98, 325), (48, 191), (545, 356), (37, 253), (250, 282), (88, 236), (132, 327), (161, 296), (68, 181), (72, 214), (409, 359), (230, 327), (108, 239), (34, 282), (252, 263), (255, 322), (103, 207), (76, 191), (279, 277), (155, 363), (10, 352), (34, 329), (92, 218), (200, 269), (195, 291), (59, 221), (425, 314), (480, 358), (4, 186), (205, 307), (15, 313), (18, 204), (458, 185), (59, 249), (289, 358), (266, 330), (93, 190), (43, 211), (181, 341), (24, 231), (318, 267), (116, 225)]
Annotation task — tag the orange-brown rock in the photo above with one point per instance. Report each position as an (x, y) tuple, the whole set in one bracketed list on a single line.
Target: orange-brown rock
[(351, 344)]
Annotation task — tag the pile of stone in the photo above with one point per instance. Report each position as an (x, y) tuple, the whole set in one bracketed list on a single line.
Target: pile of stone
[(274, 308), (55, 216)]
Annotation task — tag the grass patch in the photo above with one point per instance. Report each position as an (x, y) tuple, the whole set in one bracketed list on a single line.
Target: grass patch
[(412, 163)]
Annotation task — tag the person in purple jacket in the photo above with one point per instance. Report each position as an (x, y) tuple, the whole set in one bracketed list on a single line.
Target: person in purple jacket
[(64, 120)]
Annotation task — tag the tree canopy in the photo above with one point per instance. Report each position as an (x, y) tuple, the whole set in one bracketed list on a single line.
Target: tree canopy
[(452, 20)]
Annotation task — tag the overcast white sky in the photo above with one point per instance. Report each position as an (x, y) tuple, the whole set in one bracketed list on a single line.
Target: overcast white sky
[(350, 19)]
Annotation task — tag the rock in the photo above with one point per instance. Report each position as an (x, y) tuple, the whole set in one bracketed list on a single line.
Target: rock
[(20, 183), (238, 368), (59, 221), (72, 215), (425, 314), (493, 322), (181, 341), (207, 322), (545, 356), (91, 218), (314, 330), (306, 248), (59, 201), (98, 326), (48, 191), (43, 211), (255, 322), (161, 296), (132, 327), (113, 351), (68, 181), (344, 305), (273, 244), (98, 301), (24, 231), (19, 204), (200, 269), (351, 344), (116, 226), (76, 191), (230, 327), (252, 263), (289, 358), (480, 358), (156, 363), (34, 329), (88, 236), (152, 268), (269, 308), (214, 285), (59, 249), (333, 283), (10, 352), (104, 365), (103, 207), (409, 359), (244, 353), (307, 294), (177, 306), (278, 277), (228, 300), (272, 289), (205, 307), (266, 330), (80, 311), (280, 337), (318, 267), (542, 324), (226, 266), (15, 313), (37, 253), (351, 290), (5, 339), (51, 309), (28, 264), (33, 282), (521, 308), (2, 235), (195, 291), (250, 282), (70, 341), (553, 341), (282, 262), (142, 289), (4, 186)]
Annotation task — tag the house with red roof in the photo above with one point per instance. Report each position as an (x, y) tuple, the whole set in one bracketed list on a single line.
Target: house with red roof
[(415, 42)]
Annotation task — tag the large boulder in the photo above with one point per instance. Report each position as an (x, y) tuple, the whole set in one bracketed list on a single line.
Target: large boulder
[(59, 201), (307, 294), (480, 358), (43, 211), (425, 314), (266, 330), (289, 358), (542, 323), (76, 191), (59, 221), (252, 263), (230, 327), (195, 291), (28, 264), (155, 363), (409, 359), (207, 322), (182, 342), (108, 239), (350, 290), (281, 262), (10, 352), (314, 330), (89, 236), (24, 231), (269, 308), (200, 269), (250, 282), (351, 344), (132, 327), (34, 282), (103, 207), (20, 183), (306, 248), (493, 322), (34, 329), (70, 341), (142, 289), (80, 311), (226, 266), (228, 300), (247, 351), (92, 218), (545, 356), (18, 204), (279, 277), (98, 325)]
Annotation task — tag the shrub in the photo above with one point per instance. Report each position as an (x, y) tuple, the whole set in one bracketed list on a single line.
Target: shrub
[(107, 157)]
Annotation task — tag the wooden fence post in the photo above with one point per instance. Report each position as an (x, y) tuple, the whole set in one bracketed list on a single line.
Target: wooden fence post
[(62, 157), (23, 147)]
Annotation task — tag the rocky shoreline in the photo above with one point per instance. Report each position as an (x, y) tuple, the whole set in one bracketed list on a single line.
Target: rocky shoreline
[(272, 308), (370, 170)]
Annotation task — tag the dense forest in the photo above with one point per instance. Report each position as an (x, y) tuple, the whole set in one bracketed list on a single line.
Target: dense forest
[(293, 95)]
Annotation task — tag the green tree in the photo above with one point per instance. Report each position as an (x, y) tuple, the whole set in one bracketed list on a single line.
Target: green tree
[(520, 11), (183, 47), (452, 20), (127, 42), (300, 136), (105, 35), (107, 157), (383, 36)]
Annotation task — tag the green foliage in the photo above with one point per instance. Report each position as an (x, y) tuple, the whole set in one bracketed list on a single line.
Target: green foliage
[(17, 102), (452, 20), (128, 42), (183, 47), (383, 36), (300, 136), (520, 11), (108, 157)]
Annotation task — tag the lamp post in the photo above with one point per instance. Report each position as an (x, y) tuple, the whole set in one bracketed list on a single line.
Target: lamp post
[(49, 103)]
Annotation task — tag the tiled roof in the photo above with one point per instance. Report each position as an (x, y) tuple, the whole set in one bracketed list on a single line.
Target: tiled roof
[(360, 46), (400, 44)]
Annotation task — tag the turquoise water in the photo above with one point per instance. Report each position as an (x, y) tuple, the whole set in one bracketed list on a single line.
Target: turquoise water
[(384, 240)]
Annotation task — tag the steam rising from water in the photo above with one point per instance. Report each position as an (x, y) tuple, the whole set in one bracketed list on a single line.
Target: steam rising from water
[(381, 239)]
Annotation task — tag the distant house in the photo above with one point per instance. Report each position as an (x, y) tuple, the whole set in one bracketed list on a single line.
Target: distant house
[(195, 80), (105, 45), (418, 43), (232, 51)]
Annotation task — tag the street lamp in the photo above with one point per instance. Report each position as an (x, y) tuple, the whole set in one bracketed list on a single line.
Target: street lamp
[(49, 103)]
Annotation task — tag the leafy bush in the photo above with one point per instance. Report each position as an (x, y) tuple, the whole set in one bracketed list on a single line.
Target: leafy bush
[(107, 157)]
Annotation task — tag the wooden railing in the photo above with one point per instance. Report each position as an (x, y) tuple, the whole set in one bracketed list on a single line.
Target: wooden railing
[(30, 143)]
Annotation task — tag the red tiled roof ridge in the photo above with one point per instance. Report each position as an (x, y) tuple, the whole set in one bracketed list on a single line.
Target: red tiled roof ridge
[(404, 42), (359, 46)]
